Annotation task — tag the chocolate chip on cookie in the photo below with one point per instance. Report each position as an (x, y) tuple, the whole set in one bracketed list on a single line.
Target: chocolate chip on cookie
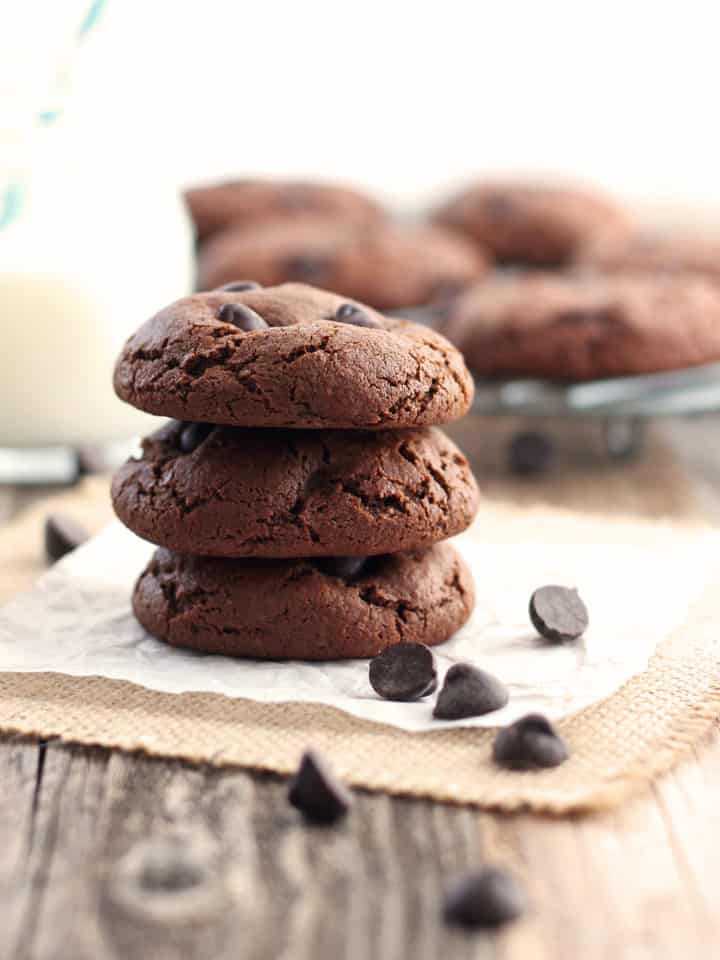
[(351, 313), (316, 793), (295, 493), (558, 613), (289, 609), (241, 317), (192, 435), (530, 743), (302, 370), (346, 568), (238, 285), (469, 692), (404, 672)]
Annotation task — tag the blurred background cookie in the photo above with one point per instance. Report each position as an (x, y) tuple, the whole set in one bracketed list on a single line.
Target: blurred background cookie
[(582, 327), (531, 224), (663, 249), (384, 265), (218, 205)]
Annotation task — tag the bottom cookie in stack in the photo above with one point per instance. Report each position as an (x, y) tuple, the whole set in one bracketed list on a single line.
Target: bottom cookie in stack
[(320, 609)]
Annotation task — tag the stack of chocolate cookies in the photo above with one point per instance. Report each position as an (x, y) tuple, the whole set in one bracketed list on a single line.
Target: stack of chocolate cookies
[(300, 499)]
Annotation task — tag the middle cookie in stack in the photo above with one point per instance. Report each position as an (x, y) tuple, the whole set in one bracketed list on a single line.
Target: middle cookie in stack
[(316, 542)]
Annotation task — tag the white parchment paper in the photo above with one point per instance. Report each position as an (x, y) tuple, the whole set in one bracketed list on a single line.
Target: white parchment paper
[(77, 620)]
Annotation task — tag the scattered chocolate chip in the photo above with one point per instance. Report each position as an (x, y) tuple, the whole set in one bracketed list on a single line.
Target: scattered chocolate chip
[(239, 285), (489, 897), (529, 743), (306, 269), (469, 692), (193, 434), (558, 613), (529, 453), (405, 671), (343, 567), (316, 793), (241, 317), (62, 535), (351, 313)]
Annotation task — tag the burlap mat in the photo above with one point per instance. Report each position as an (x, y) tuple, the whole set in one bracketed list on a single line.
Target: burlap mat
[(616, 746)]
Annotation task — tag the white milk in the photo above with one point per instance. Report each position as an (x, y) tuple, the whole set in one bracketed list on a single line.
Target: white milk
[(90, 256), (93, 237)]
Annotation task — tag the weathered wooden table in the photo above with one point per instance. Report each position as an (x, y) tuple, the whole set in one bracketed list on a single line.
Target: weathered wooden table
[(106, 855)]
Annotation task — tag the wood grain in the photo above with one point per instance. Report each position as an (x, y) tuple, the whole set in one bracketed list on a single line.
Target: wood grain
[(108, 855), (105, 855)]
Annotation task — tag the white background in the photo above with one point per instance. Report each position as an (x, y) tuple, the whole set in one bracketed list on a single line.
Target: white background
[(408, 97)]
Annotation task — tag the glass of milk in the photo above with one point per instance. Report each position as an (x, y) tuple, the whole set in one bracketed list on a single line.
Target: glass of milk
[(93, 241)]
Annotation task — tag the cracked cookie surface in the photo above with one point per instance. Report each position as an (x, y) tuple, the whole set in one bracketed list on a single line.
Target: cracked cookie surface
[(304, 368), (296, 493), (583, 327), (292, 609), (389, 266)]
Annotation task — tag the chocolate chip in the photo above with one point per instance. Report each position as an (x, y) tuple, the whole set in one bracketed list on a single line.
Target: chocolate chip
[(558, 613), (238, 285), (529, 743), (351, 313), (306, 269), (62, 535), (529, 453), (241, 316), (343, 567), (484, 898), (405, 671), (469, 692), (193, 434), (316, 793)]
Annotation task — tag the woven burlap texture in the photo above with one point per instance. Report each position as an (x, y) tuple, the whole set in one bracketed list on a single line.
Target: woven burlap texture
[(617, 746)]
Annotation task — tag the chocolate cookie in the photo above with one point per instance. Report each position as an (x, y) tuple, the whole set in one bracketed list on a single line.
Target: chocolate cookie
[(290, 356), (301, 609), (585, 327), (384, 265), (531, 224), (669, 251), (216, 206), (295, 493)]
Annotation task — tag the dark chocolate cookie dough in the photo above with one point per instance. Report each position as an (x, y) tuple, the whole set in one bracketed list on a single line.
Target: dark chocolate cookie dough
[(531, 224), (290, 356), (582, 327), (385, 265), (218, 205), (300, 609), (234, 492)]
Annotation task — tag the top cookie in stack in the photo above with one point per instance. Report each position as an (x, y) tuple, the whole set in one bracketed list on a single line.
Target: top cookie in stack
[(290, 356), (316, 538)]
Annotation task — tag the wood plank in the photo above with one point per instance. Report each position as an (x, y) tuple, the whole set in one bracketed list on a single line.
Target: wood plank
[(116, 856)]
